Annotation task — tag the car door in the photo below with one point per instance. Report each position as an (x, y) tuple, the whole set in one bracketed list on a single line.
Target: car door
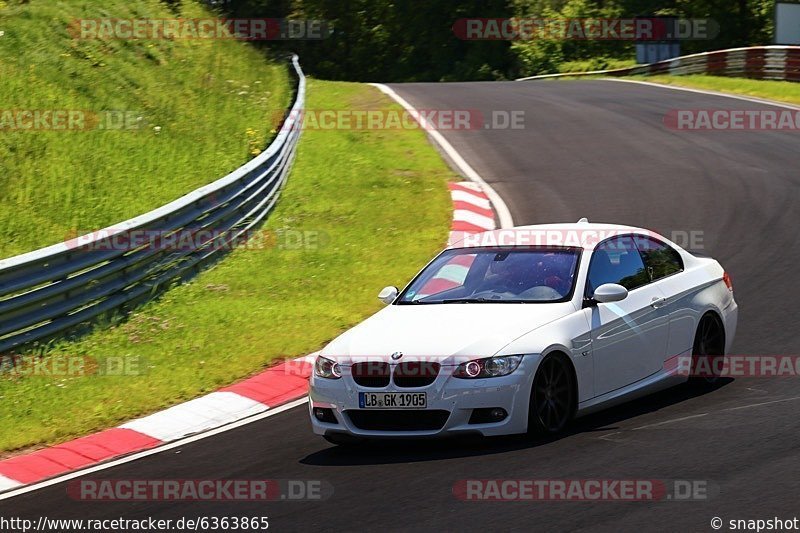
[(629, 337), (665, 267)]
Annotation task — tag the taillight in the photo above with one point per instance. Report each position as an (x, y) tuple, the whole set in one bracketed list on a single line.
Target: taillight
[(727, 279)]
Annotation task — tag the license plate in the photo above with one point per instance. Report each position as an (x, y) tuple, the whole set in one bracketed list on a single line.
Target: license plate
[(392, 400)]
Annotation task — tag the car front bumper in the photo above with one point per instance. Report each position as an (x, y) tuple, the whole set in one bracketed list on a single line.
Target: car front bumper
[(454, 396)]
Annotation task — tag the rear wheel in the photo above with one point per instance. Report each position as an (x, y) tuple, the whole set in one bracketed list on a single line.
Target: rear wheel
[(552, 402), (708, 353)]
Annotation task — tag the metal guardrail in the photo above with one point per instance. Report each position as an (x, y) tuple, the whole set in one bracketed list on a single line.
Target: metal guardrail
[(759, 62), (56, 289)]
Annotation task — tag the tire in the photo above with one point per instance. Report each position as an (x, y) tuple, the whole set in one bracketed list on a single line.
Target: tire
[(708, 351), (552, 401)]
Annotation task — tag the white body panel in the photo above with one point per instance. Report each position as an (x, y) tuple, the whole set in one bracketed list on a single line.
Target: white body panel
[(618, 350), (629, 339)]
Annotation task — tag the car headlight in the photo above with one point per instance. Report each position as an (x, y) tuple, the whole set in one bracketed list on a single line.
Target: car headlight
[(326, 368), (490, 367)]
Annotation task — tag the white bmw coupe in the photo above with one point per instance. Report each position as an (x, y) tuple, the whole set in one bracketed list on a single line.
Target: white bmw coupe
[(521, 330)]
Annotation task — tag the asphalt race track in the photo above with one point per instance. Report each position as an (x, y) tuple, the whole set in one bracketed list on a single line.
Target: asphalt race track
[(597, 149)]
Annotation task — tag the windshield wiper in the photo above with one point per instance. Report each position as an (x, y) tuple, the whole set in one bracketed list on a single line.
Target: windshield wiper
[(468, 301), (483, 301), (480, 300)]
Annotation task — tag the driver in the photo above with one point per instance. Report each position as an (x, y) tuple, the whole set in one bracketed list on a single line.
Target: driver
[(556, 272), (510, 273)]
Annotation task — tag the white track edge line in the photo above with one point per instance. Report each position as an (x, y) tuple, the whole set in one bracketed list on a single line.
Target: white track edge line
[(503, 214), (709, 93), (152, 451)]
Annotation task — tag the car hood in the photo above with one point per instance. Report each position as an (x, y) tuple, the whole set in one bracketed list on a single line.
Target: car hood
[(441, 331)]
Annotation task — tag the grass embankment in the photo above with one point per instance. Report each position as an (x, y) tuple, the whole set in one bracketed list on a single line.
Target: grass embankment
[(781, 91), (377, 203), (590, 65), (195, 110)]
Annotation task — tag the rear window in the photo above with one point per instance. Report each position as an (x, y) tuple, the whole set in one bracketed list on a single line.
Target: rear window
[(660, 259)]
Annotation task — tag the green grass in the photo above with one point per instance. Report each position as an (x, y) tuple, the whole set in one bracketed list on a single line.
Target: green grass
[(598, 63), (781, 91), (205, 107), (379, 202)]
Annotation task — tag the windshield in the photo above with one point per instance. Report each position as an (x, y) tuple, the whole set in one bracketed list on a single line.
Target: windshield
[(493, 275)]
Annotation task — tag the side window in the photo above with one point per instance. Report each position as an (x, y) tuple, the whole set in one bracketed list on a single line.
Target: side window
[(660, 259), (616, 260)]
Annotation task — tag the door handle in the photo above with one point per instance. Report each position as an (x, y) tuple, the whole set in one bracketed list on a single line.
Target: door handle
[(657, 302)]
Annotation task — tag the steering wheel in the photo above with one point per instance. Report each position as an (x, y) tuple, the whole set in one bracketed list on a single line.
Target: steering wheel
[(541, 293), (556, 283)]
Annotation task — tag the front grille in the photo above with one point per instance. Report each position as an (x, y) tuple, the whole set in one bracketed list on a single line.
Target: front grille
[(397, 420), (415, 374), (374, 374)]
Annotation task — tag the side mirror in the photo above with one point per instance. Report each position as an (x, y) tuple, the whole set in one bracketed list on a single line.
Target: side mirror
[(388, 294), (610, 292)]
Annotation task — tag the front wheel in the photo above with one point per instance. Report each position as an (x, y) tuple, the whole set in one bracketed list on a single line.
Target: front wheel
[(552, 402)]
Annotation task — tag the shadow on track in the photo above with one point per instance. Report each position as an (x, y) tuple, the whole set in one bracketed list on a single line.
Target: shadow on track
[(379, 452)]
